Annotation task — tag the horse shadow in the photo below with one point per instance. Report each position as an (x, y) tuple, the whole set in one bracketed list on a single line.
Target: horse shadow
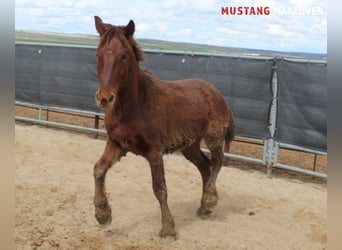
[(184, 212)]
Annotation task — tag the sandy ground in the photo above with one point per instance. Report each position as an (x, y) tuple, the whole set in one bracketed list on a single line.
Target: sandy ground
[(54, 202), (293, 158)]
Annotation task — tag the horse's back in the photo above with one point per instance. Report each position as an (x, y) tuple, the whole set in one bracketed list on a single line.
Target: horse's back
[(207, 98), (190, 109)]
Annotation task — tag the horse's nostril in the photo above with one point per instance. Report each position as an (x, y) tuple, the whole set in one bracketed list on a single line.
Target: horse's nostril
[(111, 98)]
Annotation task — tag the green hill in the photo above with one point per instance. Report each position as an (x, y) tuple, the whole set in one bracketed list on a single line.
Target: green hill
[(92, 40), (34, 36)]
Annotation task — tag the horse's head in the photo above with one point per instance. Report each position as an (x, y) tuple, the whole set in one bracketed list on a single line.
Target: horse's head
[(117, 54)]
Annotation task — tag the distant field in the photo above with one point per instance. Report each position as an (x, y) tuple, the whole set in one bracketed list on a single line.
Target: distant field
[(92, 40), (56, 38)]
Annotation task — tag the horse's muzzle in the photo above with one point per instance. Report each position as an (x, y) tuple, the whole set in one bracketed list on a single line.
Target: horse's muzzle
[(106, 101)]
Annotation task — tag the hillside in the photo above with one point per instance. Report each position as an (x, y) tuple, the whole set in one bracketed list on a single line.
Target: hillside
[(92, 40)]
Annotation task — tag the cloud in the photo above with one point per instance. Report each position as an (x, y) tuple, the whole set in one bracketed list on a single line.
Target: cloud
[(192, 5), (142, 28), (186, 31), (278, 30), (302, 2), (227, 31), (198, 21), (264, 2)]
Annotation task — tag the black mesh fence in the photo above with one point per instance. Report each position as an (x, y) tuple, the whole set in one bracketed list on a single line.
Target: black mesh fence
[(56, 76), (66, 77), (302, 109), (245, 83)]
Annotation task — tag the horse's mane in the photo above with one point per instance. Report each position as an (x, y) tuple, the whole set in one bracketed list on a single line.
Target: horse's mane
[(112, 31)]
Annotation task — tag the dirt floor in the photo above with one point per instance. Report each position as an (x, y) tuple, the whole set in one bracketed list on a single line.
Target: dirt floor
[(290, 157), (54, 201)]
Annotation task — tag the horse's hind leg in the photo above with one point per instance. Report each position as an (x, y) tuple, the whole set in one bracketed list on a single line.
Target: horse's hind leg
[(201, 161), (210, 196), (103, 212)]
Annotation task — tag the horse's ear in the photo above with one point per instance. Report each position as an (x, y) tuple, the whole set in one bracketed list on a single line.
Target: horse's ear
[(129, 29), (100, 26)]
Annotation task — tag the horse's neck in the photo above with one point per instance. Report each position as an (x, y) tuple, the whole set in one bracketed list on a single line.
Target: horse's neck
[(132, 97)]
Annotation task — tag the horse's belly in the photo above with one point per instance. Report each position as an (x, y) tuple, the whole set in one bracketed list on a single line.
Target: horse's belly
[(184, 135), (178, 145)]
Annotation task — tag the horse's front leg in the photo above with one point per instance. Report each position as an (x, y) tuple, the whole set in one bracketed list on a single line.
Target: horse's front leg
[(111, 154), (159, 188)]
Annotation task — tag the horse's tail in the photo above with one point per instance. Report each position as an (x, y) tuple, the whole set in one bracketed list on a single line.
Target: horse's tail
[(231, 131), (228, 139)]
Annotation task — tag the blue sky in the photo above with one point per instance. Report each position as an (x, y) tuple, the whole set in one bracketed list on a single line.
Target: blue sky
[(198, 21)]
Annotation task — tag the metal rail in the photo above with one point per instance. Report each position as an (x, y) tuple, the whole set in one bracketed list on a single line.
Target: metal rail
[(190, 53), (59, 124), (42, 107), (301, 170), (302, 149), (270, 144), (263, 161)]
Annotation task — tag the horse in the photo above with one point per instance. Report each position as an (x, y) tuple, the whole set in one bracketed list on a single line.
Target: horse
[(152, 117)]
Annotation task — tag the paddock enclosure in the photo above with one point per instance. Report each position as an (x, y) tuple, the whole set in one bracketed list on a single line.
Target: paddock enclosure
[(279, 103), (280, 110), (54, 201)]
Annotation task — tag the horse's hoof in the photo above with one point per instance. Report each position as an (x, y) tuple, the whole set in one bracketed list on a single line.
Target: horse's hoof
[(167, 232), (167, 240), (210, 200), (203, 213), (103, 219), (167, 237)]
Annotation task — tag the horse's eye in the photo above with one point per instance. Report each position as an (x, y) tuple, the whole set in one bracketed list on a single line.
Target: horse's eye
[(124, 58)]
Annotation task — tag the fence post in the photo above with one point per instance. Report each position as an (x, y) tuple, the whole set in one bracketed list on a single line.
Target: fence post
[(271, 146), (40, 113)]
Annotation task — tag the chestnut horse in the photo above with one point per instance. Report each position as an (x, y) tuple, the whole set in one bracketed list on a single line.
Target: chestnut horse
[(152, 117)]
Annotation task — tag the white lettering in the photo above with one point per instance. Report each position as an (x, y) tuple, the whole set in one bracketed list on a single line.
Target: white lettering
[(298, 11)]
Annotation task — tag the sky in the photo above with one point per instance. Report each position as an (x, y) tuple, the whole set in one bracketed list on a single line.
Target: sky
[(292, 25)]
